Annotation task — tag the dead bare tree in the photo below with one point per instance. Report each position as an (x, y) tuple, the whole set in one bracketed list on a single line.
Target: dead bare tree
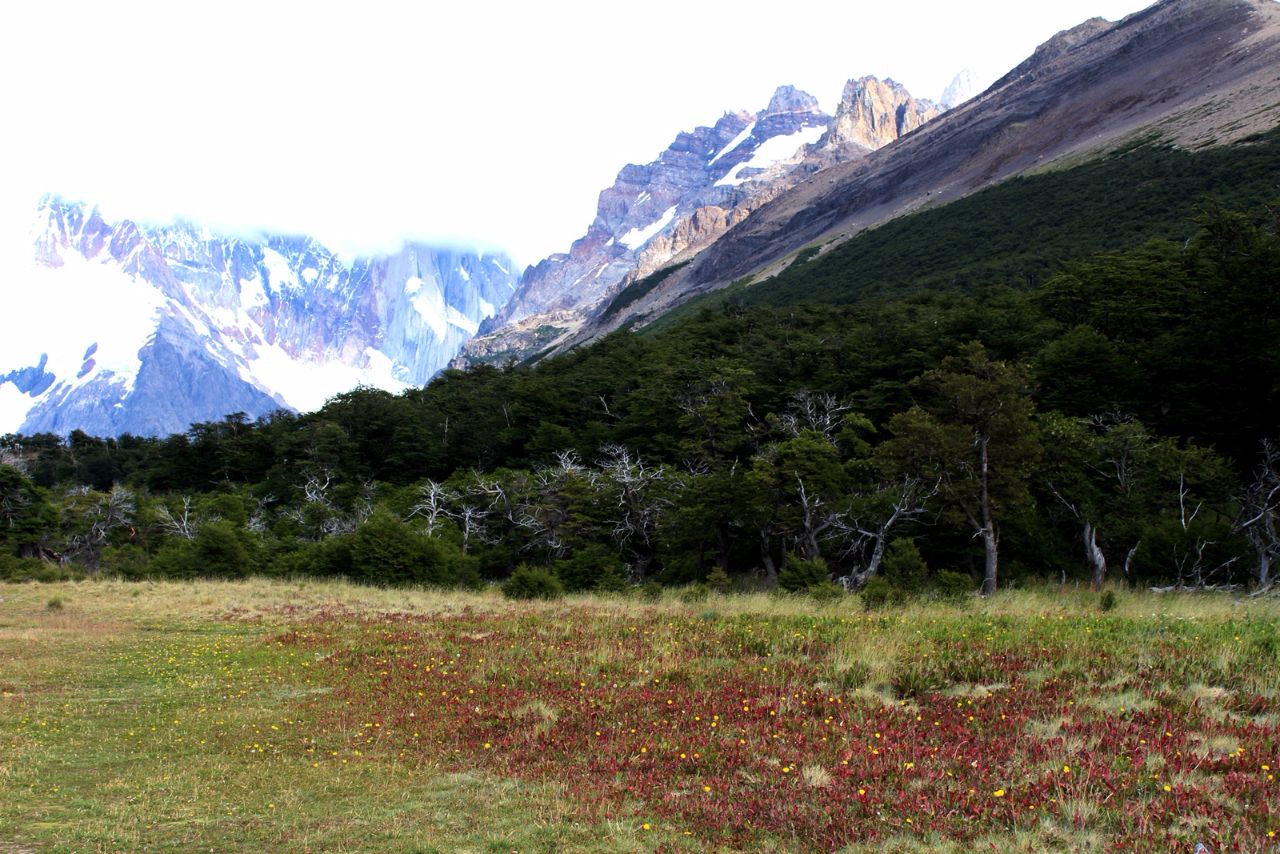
[(11, 455), (821, 413), (1189, 557), (91, 517), (867, 536), (639, 506), (182, 524), (433, 505), (1259, 507)]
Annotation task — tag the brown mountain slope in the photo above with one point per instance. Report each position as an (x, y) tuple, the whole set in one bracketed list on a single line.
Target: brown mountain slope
[(1195, 72)]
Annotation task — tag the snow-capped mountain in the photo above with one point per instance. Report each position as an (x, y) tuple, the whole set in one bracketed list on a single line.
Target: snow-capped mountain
[(122, 328), (704, 183)]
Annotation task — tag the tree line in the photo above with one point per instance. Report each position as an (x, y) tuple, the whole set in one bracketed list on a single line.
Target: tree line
[(1117, 422)]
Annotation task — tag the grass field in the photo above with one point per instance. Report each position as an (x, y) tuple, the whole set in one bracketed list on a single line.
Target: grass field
[(313, 716)]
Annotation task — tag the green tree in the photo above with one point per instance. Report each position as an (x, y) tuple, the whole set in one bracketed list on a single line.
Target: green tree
[(974, 435)]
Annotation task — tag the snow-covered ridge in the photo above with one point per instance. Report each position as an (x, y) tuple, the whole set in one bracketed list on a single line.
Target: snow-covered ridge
[(146, 330)]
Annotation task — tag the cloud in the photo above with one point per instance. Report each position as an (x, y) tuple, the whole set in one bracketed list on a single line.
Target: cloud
[(486, 123)]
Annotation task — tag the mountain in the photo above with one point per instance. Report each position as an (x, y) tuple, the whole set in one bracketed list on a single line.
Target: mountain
[(960, 89), (706, 182), (150, 329), (1184, 73)]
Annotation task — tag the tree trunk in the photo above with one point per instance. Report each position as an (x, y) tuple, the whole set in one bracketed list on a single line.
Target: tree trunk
[(1093, 553), (766, 559), (990, 574), (990, 541)]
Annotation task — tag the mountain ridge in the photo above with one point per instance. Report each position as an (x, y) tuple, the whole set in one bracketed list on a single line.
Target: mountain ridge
[(1085, 90), (237, 324)]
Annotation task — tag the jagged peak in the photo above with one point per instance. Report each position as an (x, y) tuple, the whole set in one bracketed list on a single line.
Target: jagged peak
[(789, 99)]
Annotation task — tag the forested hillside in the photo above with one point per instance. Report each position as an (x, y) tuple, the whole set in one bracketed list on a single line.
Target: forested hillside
[(1109, 422)]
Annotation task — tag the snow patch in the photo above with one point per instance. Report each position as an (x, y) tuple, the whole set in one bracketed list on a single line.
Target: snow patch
[(504, 270), (462, 271), (253, 294), (14, 406), (429, 303), (734, 143), (460, 320), (772, 151), (487, 309), (307, 384), (96, 302), (637, 237), (278, 269), (413, 285)]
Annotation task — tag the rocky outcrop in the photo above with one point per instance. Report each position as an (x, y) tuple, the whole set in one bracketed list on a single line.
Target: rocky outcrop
[(873, 113), (704, 184)]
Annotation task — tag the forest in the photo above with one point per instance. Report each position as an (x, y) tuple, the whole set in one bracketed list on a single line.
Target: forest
[(1112, 421)]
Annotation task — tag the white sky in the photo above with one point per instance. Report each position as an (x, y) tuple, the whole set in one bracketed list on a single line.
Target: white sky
[(477, 123)]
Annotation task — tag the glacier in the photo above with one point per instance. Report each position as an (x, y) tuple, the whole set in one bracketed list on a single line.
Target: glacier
[(116, 327)]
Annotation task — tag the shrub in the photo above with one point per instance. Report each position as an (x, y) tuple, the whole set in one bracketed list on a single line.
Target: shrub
[(528, 582), (877, 593), (904, 568), (127, 561), (694, 593), (55, 603), (613, 579), (385, 550), (1108, 600), (826, 592), (27, 569), (220, 550), (801, 573), (952, 586), (582, 570), (651, 591), (718, 581)]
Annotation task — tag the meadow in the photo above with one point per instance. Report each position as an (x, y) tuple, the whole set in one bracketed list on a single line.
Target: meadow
[(321, 716)]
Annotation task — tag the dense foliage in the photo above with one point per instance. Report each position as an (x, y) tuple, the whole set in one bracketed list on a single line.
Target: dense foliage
[(1110, 423)]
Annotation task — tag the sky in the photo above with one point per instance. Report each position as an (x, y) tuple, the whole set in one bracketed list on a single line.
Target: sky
[(485, 125)]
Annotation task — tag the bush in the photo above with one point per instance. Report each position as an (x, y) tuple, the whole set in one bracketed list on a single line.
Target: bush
[(1108, 601), (528, 582), (651, 591), (718, 581), (904, 568), (219, 549), (694, 593), (877, 593), (613, 579), (800, 574), (583, 569), (55, 603), (130, 562), (33, 569), (826, 592), (387, 551), (951, 586)]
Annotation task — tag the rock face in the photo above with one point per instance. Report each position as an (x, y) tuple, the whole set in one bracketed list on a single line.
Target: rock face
[(873, 113), (706, 182), (152, 329), (1189, 72)]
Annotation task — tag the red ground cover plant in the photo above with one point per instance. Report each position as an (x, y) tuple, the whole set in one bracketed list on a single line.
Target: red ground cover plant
[(739, 729)]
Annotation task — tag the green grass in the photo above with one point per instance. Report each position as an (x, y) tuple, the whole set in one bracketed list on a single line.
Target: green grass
[(238, 716)]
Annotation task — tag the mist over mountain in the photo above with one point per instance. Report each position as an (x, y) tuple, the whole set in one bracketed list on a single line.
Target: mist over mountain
[(148, 329)]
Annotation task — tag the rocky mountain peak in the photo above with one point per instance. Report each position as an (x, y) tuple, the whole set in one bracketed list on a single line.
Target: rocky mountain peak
[(874, 112), (789, 99), (959, 90)]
